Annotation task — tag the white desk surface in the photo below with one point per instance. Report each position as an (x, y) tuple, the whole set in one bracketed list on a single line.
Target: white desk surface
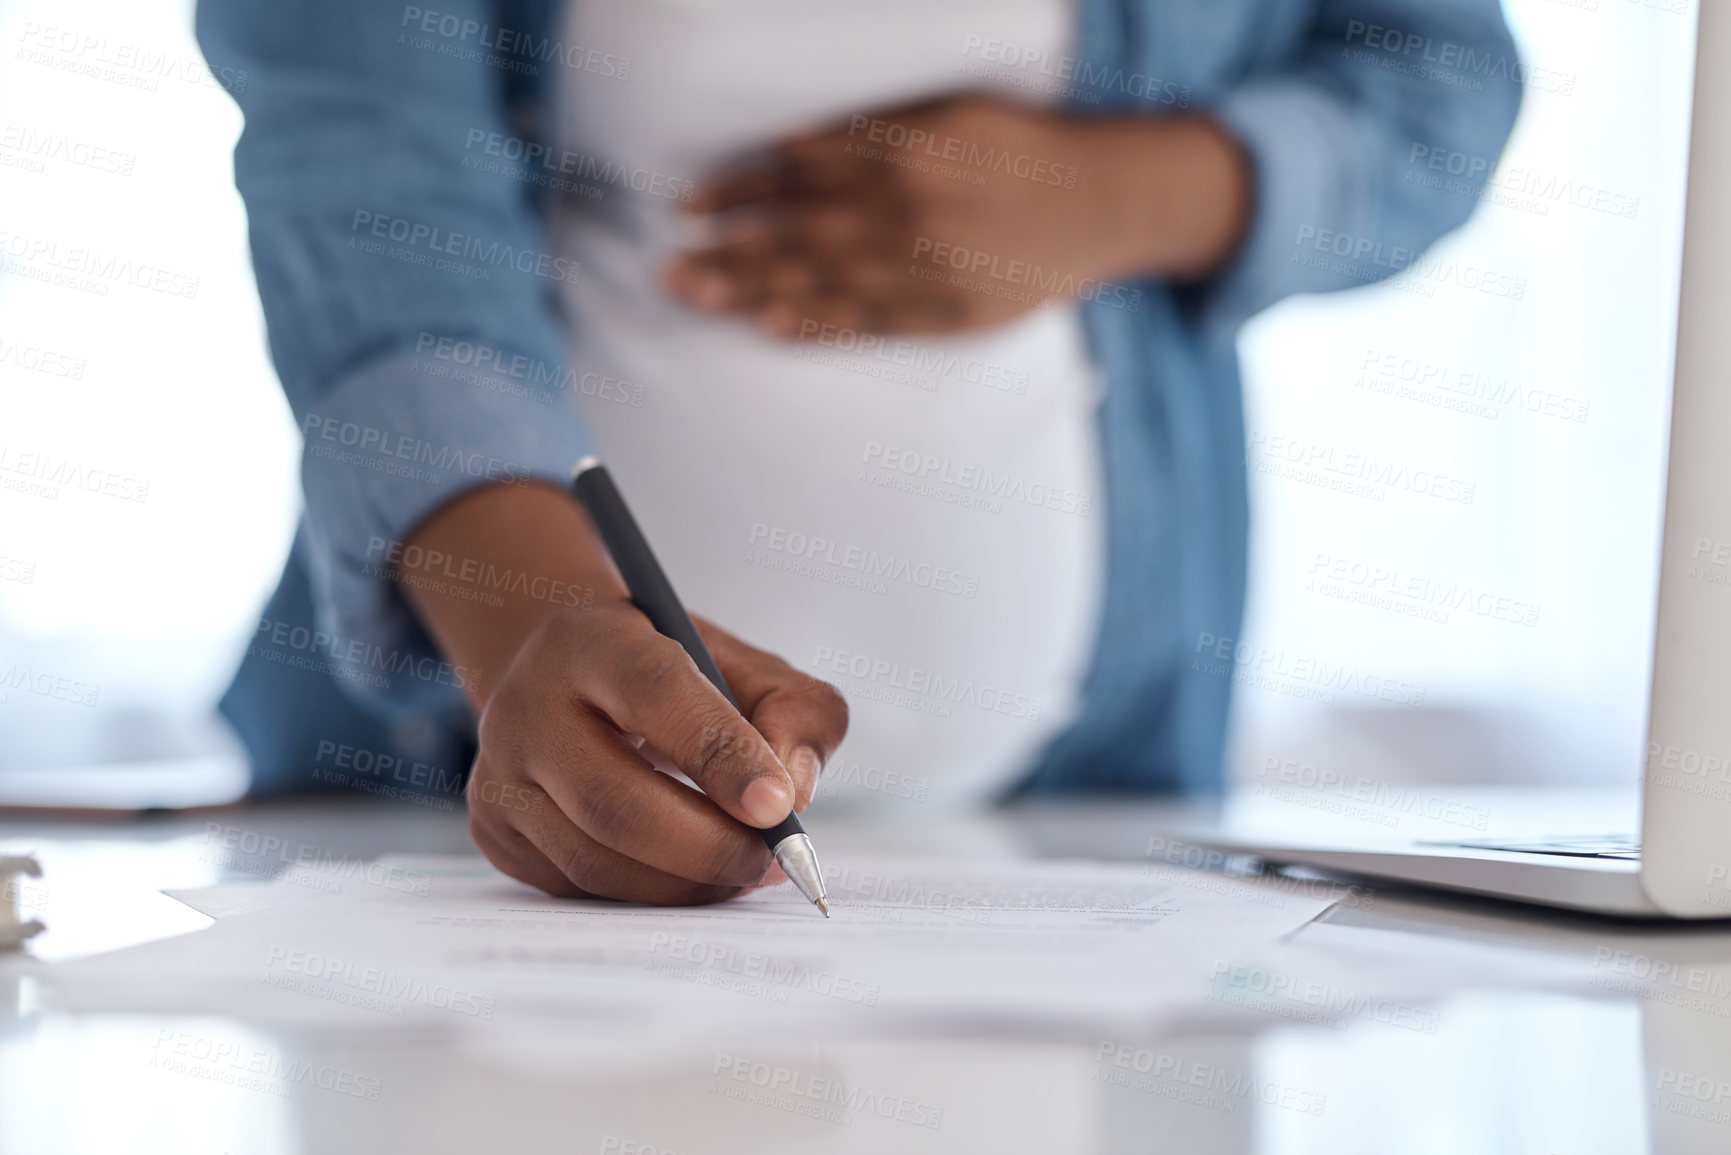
[(1481, 1027)]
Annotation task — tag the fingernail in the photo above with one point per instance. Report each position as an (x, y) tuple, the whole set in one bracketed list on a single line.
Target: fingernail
[(805, 764), (711, 291), (766, 801), (779, 319)]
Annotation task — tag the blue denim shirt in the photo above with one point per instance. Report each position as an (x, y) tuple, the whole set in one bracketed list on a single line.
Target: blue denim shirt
[(360, 115)]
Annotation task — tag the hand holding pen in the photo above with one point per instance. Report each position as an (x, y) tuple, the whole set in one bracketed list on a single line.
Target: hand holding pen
[(652, 593), (579, 697)]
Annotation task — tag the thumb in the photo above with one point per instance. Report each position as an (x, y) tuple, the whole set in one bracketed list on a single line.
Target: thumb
[(801, 717)]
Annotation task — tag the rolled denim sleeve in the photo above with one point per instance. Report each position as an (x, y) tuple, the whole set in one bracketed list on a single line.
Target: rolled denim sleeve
[(409, 291), (1375, 141)]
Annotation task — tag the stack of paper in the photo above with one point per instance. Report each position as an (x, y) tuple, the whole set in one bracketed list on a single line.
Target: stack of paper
[(451, 942)]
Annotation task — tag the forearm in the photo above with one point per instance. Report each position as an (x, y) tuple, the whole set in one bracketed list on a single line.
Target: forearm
[(1169, 197), (486, 570)]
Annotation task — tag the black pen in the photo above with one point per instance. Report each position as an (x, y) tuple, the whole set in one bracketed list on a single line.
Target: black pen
[(652, 593)]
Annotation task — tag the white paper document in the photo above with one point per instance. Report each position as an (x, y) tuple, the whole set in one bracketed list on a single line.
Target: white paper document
[(451, 941)]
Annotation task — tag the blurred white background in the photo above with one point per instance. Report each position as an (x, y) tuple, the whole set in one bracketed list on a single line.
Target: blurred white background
[(148, 601), (151, 601), (1565, 515)]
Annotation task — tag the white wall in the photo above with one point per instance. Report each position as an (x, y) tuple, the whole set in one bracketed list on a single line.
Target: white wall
[(1563, 521), (146, 601)]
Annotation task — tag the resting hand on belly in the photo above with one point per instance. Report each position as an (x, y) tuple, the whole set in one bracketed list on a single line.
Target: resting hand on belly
[(580, 700), (960, 215)]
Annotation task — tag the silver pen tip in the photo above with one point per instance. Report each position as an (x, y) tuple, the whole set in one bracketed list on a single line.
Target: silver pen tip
[(799, 862)]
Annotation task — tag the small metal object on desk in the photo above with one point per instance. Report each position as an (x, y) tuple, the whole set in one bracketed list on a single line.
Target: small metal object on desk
[(13, 929)]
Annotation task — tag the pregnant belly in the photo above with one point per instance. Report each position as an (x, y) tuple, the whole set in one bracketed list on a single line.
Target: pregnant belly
[(918, 521)]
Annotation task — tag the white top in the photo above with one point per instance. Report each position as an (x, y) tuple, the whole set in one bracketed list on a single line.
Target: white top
[(919, 521)]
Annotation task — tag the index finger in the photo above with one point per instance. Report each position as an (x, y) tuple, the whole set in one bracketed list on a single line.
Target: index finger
[(792, 173)]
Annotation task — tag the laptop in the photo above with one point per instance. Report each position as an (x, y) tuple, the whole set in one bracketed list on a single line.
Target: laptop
[(1666, 854)]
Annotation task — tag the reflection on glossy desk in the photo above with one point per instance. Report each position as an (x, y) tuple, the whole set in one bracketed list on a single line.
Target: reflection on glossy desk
[(1441, 1025)]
